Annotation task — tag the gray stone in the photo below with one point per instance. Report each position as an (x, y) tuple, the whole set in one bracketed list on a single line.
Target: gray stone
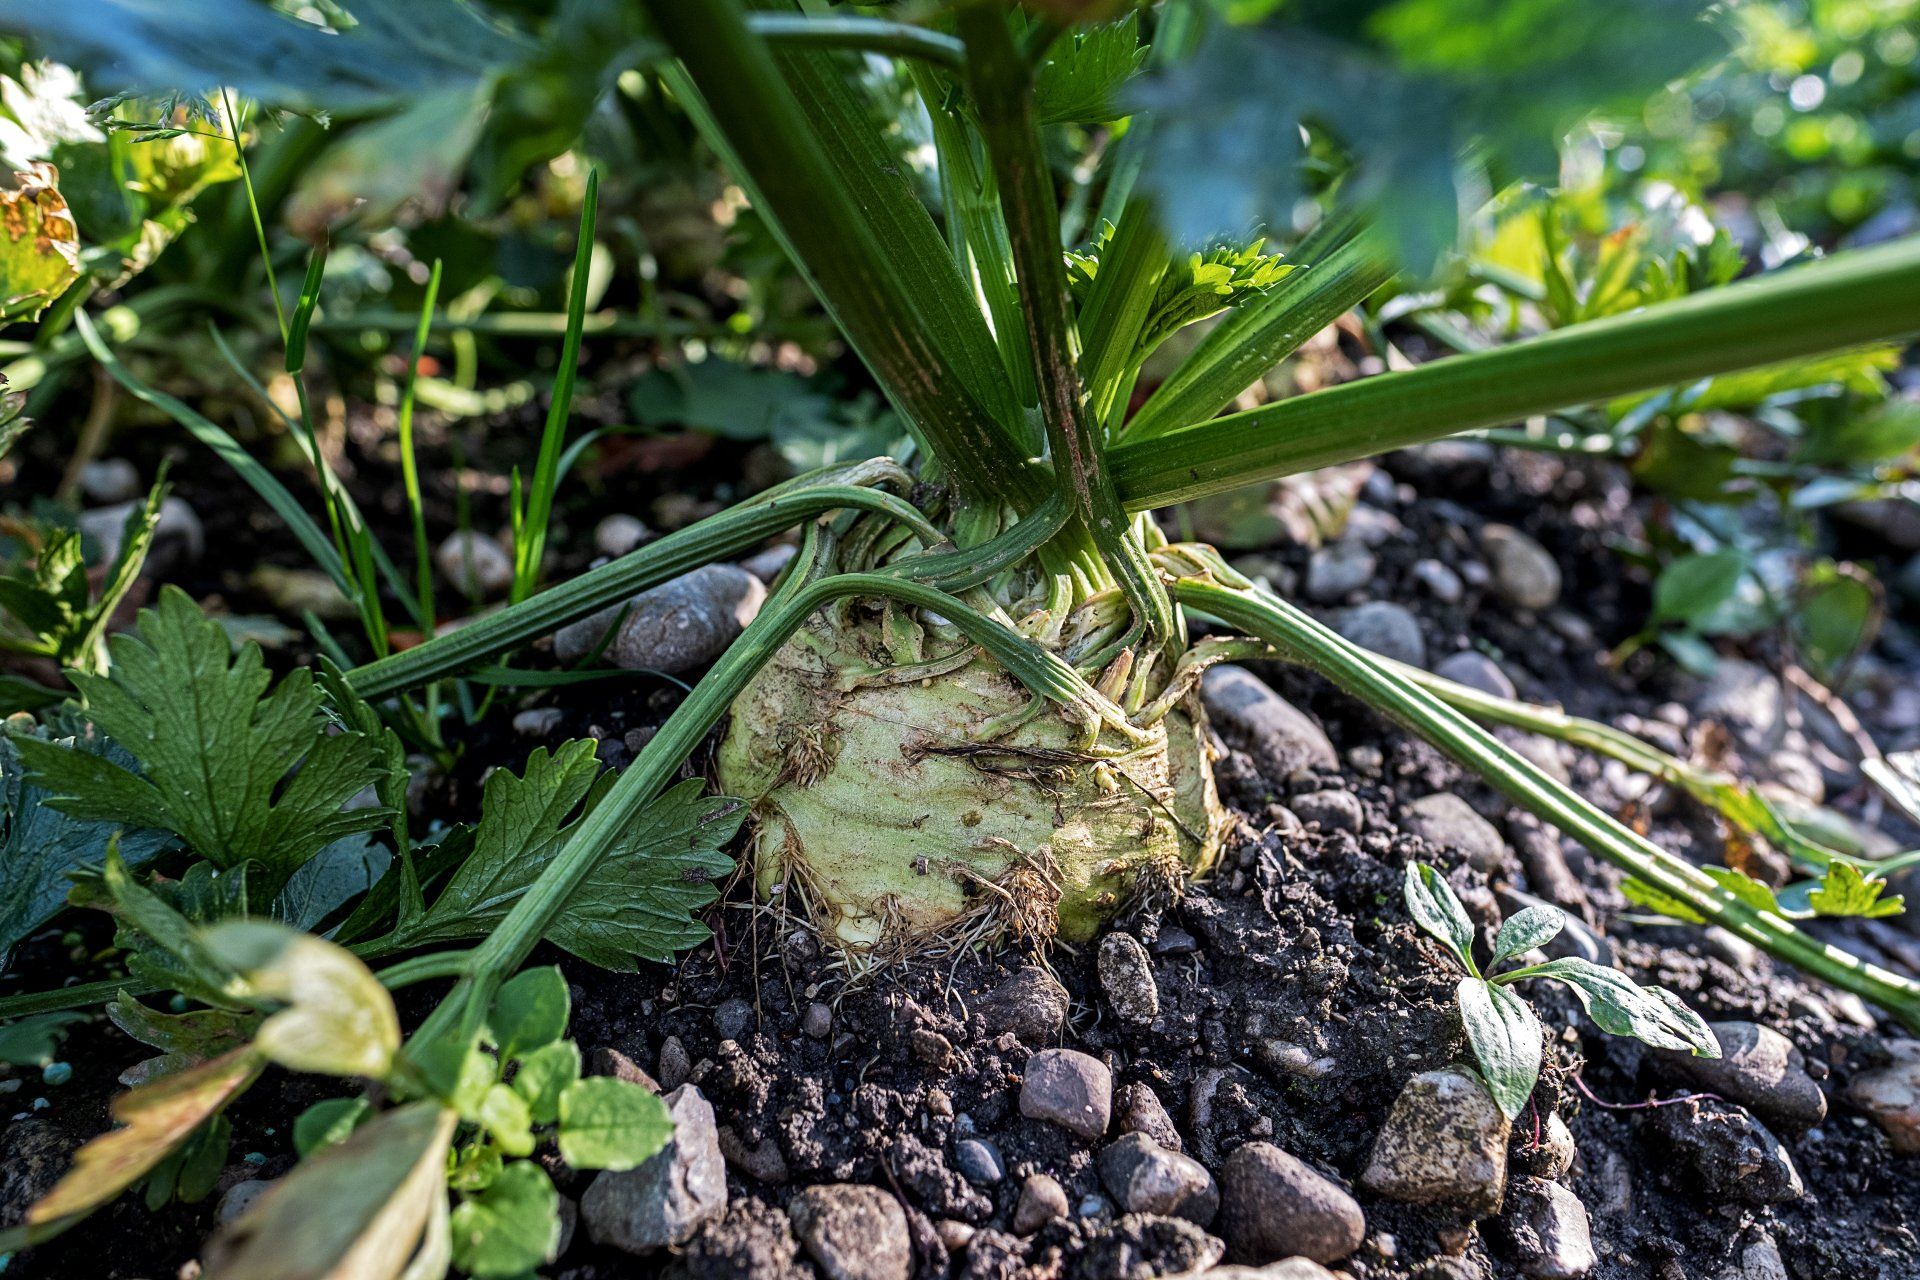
[(1450, 822), (1280, 738), (476, 565), (674, 1065), (1275, 1206), (1442, 583), (1747, 698), (853, 1232), (1476, 670), (817, 1022), (1890, 1096), (1444, 1142), (763, 1161), (537, 722), (1729, 1154), (300, 591), (1042, 1199), (110, 480), (1333, 810), (239, 1198), (1557, 1151), (1545, 1226), (1031, 1005), (1144, 1177), (1285, 1269), (1385, 628), (1759, 1260), (667, 1199), (605, 1060), (676, 627), (1138, 1109), (1761, 1070), (1126, 978), (178, 536), (733, 1018), (619, 533), (766, 565), (1523, 573), (1070, 1089), (979, 1162), (1337, 571)]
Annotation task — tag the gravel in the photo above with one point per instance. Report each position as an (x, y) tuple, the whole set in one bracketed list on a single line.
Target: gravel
[(1276, 1206), (1444, 1142), (1070, 1089), (1126, 979)]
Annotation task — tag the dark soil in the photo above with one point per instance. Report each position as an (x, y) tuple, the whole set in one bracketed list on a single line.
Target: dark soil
[(1300, 936)]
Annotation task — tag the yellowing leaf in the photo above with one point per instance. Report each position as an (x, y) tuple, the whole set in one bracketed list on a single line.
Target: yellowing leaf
[(361, 1210), (339, 1020), (39, 244), (156, 1119)]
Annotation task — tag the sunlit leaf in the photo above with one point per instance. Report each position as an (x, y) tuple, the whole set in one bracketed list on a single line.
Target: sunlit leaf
[(1436, 908), (607, 1123), (338, 1019), (509, 1228), (1506, 1039), (1846, 891), (39, 244)]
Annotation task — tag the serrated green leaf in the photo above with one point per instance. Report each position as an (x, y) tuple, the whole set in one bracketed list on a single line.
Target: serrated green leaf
[(338, 874), (530, 1011), (1846, 891), (611, 1124), (1080, 79), (215, 749), (1744, 887), (186, 1038), (1621, 1007), (509, 1228), (544, 1075), (1506, 1039), (1525, 930), (1436, 909), (328, 1123)]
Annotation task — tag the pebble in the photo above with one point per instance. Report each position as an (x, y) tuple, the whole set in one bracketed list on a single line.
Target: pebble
[(1126, 978), (1138, 1109), (298, 591), (239, 1198), (1338, 570), (979, 1162), (1333, 810), (1759, 1260), (1042, 1199), (110, 480), (537, 722), (1031, 1005), (1070, 1089), (1442, 583), (766, 565), (1555, 1155), (178, 535), (1546, 1226), (853, 1232), (1275, 1206), (667, 1199), (763, 1161), (1523, 573), (1450, 822), (476, 565), (732, 1018), (675, 1066), (1444, 1141), (1476, 670), (1385, 628), (676, 627), (1761, 1070), (817, 1022), (1731, 1155), (605, 1060), (1746, 698), (1890, 1096), (1280, 738), (619, 533), (1144, 1177)]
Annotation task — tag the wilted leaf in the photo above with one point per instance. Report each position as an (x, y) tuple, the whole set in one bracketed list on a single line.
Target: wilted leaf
[(356, 1211), (1506, 1039), (338, 1019), (607, 1123), (39, 244)]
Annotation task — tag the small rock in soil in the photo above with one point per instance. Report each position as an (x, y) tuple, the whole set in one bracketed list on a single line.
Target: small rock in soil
[(1042, 1199), (538, 722), (1450, 822), (299, 591), (1142, 1246), (1276, 1206), (1138, 1109), (675, 1065), (766, 565), (1337, 571), (1070, 1089), (110, 480), (752, 1239), (178, 536), (1523, 573), (1731, 1155), (979, 1162), (853, 1232), (1442, 583), (817, 1021), (1745, 697), (605, 1060), (1545, 1226), (1144, 1177), (1333, 810), (1031, 1005), (762, 1161), (733, 1018), (1761, 1070), (1126, 976), (619, 533), (665, 1200), (676, 627), (475, 565), (1280, 738), (1445, 1141), (1476, 670), (1285, 1269), (1890, 1096), (1385, 628), (1554, 1155), (1759, 1260), (239, 1198), (34, 1155)]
